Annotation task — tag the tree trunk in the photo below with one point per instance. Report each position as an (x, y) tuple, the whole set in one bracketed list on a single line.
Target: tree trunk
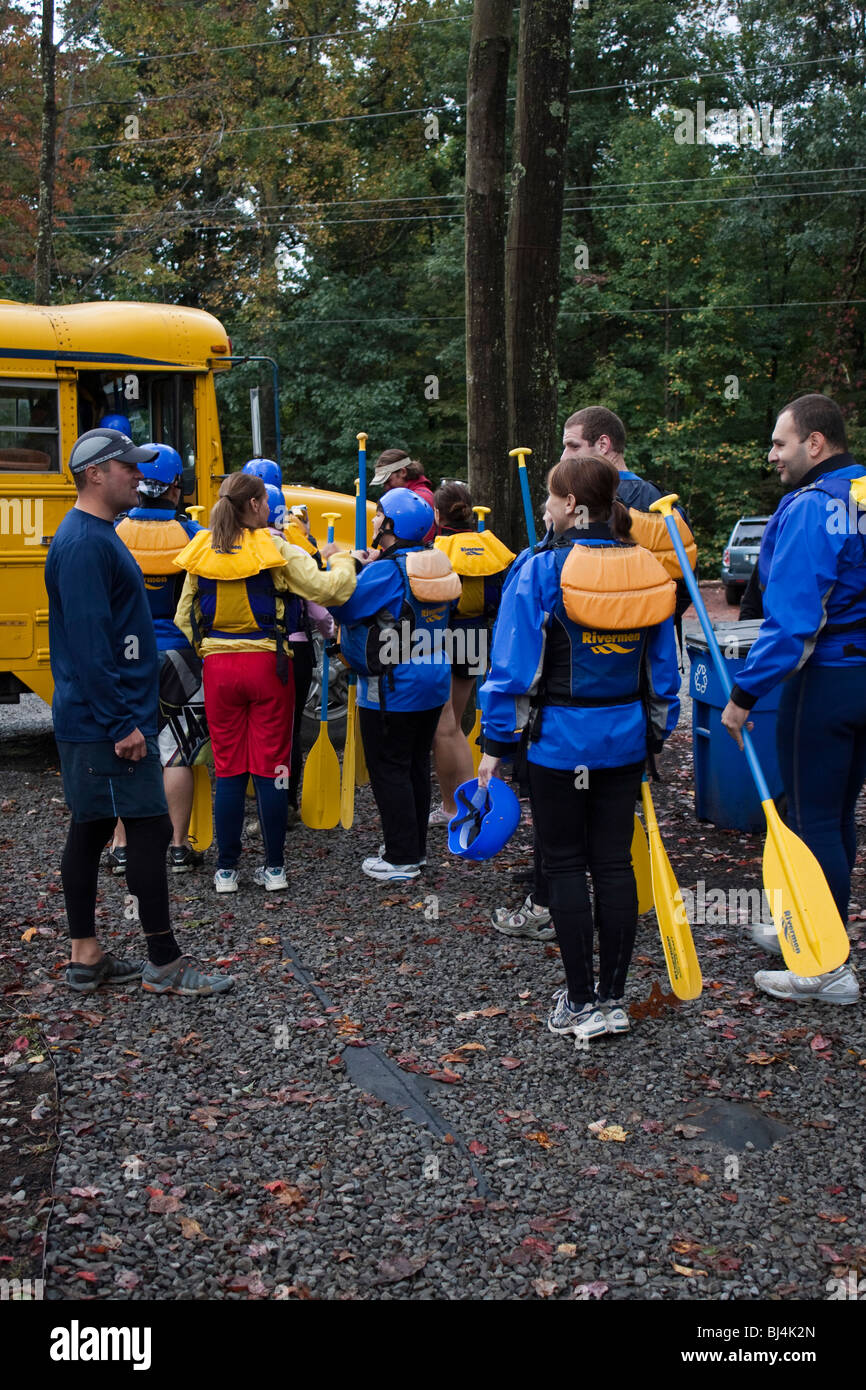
[(534, 239), (47, 158), (486, 382)]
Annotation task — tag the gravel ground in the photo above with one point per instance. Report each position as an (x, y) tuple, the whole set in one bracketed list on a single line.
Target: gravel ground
[(250, 1146)]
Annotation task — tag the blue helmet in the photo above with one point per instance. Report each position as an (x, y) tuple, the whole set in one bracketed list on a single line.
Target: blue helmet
[(410, 516), (116, 422), (276, 506), (158, 475), (486, 819), (266, 469)]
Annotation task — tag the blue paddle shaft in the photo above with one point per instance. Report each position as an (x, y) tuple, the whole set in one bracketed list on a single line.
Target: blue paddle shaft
[(715, 652), (527, 501), (361, 502)]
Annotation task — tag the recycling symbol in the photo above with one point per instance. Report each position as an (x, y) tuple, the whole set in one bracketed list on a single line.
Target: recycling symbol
[(701, 678)]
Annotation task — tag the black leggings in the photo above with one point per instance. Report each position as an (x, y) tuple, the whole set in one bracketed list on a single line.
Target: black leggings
[(589, 828), (147, 839), (397, 750)]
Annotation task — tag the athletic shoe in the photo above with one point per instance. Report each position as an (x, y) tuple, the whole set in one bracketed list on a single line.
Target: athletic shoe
[(84, 979), (615, 1017), (380, 869), (440, 816), (115, 860), (226, 880), (765, 935), (529, 921), (591, 1022), (183, 858), (182, 976), (839, 986), (563, 1017), (422, 863), (271, 879)]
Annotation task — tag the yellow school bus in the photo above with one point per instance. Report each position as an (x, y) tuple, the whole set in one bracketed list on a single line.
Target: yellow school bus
[(62, 370)]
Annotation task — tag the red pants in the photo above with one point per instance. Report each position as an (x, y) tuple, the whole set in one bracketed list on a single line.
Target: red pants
[(249, 714)]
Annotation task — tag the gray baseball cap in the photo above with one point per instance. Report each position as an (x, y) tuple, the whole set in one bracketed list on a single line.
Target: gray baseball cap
[(99, 446)]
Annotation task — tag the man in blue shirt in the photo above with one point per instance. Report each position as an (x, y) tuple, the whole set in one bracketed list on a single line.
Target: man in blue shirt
[(812, 570), (105, 667)]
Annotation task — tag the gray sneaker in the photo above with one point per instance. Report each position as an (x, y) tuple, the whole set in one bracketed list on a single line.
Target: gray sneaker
[(615, 1017), (564, 1018), (182, 976), (84, 979), (838, 987), (765, 935), (529, 921)]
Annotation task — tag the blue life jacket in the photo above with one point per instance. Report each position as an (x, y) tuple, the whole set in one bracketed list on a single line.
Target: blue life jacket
[(400, 652)]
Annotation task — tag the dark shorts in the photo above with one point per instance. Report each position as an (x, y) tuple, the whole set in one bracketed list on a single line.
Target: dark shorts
[(98, 785)]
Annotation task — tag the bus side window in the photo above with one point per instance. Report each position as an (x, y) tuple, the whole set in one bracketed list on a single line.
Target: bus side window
[(29, 429)]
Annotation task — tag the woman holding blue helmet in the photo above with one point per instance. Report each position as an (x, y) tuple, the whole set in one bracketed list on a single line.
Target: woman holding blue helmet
[(584, 655), (393, 634)]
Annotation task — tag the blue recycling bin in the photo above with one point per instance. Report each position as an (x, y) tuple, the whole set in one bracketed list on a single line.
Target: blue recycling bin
[(724, 791)]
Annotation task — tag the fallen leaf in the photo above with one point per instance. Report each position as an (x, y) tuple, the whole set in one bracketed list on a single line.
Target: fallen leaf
[(87, 1275), (492, 1011), (401, 1267), (689, 1273), (819, 1043), (292, 1197), (264, 940), (761, 1059), (450, 1077), (29, 934), (616, 1133), (126, 1279), (836, 1219), (692, 1174), (544, 1287), (477, 1148), (510, 1063), (567, 1249), (163, 1203), (86, 1192), (729, 1197), (583, 1292), (652, 1126), (689, 1131), (189, 1229), (341, 1255), (206, 1116), (539, 1136)]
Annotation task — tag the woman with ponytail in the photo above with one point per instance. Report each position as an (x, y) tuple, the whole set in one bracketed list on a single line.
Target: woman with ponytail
[(584, 655), (240, 600)]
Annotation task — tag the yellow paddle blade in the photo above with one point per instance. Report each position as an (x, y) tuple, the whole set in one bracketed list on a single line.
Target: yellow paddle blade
[(347, 793), (251, 787), (362, 775), (201, 817), (811, 932), (320, 796), (684, 972), (640, 863), (475, 743)]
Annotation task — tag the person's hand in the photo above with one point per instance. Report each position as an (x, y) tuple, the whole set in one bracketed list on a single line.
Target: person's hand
[(328, 549), (487, 768), (733, 718), (366, 557), (133, 747)]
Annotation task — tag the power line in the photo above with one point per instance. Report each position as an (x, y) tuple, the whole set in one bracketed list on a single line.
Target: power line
[(570, 188), (256, 225)]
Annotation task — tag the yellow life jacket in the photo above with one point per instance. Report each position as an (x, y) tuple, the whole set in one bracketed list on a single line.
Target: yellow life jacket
[(236, 595), (295, 535), (616, 588), (477, 557), (648, 529), (155, 545)]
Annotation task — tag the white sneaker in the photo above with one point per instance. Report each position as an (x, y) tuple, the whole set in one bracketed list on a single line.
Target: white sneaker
[(615, 1017), (226, 880), (422, 863), (591, 1023), (529, 921), (839, 986), (271, 879), (379, 868), (440, 816), (765, 935)]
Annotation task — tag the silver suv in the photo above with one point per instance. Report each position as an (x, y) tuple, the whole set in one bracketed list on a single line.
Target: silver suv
[(741, 555)]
